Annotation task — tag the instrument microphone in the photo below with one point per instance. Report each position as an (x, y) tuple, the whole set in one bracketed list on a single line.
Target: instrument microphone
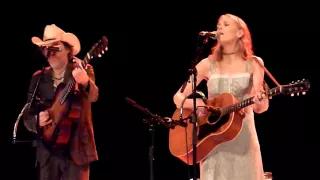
[(212, 34), (174, 122), (52, 48)]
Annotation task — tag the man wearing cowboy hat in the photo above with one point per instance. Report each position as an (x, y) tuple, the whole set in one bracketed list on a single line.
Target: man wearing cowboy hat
[(71, 161)]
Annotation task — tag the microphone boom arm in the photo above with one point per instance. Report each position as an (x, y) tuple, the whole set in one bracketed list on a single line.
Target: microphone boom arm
[(154, 118)]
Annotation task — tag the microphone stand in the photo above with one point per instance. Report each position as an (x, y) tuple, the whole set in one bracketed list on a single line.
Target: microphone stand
[(193, 73), (154, 119), (29, 104)]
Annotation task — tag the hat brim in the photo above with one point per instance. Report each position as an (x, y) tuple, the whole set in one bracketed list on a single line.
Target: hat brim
[(39, 42), (69, 38), (73, 41)]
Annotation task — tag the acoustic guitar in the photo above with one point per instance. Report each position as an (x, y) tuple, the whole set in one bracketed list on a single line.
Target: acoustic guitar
[(65, 108), (222, 123)]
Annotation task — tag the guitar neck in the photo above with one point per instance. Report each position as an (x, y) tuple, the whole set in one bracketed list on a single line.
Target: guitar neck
[(247, 102), (100, 47), (71, 83), (237, 106), (84, 64)]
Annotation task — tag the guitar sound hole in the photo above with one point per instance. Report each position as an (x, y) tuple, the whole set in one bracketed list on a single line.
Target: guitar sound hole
[(214, 116)]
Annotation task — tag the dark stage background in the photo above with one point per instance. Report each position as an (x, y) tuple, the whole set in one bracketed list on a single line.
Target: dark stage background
[(149, 54)]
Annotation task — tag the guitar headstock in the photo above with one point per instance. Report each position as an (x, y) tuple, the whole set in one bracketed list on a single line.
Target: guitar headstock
[(297, 87), (97, 50)]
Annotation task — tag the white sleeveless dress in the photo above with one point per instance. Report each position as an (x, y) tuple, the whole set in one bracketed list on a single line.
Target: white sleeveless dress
[(239, 159)]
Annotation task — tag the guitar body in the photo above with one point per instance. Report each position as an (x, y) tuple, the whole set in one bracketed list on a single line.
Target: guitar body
[(222, 124), (63, 115), (211, 131)]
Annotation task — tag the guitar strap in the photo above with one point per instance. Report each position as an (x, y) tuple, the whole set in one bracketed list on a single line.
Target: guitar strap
[(265, 85)]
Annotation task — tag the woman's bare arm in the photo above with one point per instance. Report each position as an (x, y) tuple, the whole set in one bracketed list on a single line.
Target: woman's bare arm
[(203, 69)]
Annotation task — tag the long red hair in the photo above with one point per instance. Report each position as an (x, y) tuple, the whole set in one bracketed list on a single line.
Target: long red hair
[(245, 41)]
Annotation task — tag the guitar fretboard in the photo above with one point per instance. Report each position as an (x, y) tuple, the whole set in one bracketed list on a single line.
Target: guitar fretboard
[(246, 102), (237, 106)]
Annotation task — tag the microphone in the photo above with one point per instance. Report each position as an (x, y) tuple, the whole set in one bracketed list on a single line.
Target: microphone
[(173, 123), (212, 34), (52, 48)]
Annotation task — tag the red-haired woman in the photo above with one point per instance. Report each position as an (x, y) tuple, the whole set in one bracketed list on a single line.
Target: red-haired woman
[(232, 68)]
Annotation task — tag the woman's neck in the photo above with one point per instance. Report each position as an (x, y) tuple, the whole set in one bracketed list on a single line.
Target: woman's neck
[(231, 48), (230, 52)]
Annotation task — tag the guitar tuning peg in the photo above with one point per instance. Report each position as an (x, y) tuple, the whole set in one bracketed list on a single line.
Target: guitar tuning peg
[(292, 94), (106, 49), (102, 51), (99, 55), (303, 93), (297, 94)]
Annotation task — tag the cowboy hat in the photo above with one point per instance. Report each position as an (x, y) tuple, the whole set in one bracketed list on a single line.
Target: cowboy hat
[(53, 33)]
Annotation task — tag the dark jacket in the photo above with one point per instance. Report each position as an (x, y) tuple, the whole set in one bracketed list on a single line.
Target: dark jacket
[(82, 146)]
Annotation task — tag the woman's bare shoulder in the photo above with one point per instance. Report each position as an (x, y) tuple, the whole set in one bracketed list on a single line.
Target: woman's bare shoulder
[(257, 59)]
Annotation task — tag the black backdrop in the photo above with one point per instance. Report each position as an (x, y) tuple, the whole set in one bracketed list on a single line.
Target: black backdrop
[(150, 50)]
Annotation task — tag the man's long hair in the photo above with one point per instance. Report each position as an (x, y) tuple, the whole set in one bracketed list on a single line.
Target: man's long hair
[(69, 47)]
